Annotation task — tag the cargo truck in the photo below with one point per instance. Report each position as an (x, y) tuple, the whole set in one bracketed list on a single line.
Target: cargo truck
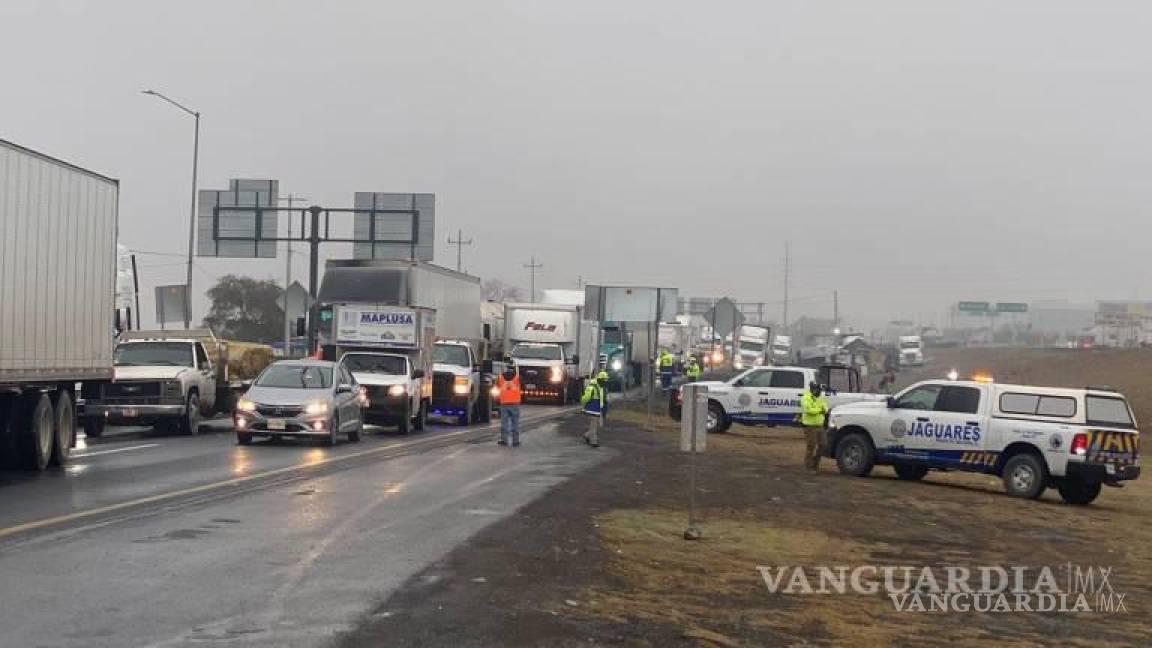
[(753, 349), (458, 374), (57, 299), (547, 342)]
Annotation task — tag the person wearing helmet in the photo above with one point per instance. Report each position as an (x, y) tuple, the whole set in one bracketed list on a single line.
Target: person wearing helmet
[(594, 402), (813, 413)]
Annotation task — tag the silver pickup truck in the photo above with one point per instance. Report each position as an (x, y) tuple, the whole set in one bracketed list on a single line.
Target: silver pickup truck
[(163, 379)]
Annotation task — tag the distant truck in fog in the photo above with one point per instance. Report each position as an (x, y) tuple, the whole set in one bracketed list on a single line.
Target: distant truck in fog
[(911, 351)]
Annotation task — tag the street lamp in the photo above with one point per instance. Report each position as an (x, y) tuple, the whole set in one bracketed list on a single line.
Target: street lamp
[(192, 212)]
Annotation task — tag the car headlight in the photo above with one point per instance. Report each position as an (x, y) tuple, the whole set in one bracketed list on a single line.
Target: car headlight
[(617, 365), (739, 365), (245, 405), (717, 357), (397, 390), (557, 374), (462, 385), (316, 408)]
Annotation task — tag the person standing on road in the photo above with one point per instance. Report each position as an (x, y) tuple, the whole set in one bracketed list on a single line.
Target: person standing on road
[(595, 404), (665, 364), (693, 371), (508, 384), (813, 412)]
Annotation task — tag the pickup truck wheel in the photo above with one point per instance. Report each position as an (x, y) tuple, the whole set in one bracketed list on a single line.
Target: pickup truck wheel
[(854, 455), (421, 418), (243, 438), (405, 424), (1025, 476), (715, 421), (191, 423), (466, 418), (64, 428), (1077, 491), (35, 440), (94, 427), (910, 472)]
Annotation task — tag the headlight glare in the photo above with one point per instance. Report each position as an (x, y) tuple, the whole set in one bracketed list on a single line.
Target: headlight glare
[(315, 408)]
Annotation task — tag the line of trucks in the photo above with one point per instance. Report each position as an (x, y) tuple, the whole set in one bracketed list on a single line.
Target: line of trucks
[(418, 337)]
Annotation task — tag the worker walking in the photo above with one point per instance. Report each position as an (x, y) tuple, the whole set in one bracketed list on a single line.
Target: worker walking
[(813, 412), (595, 404), (508, 385), (665, 363), (693, 370)]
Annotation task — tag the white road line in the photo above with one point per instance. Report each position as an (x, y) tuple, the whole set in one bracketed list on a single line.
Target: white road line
[(114, 451)]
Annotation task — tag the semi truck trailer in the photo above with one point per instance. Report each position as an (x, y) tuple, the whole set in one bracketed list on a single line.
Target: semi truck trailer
[(57, 299)]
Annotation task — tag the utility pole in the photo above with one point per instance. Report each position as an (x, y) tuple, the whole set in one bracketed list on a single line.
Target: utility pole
[(532, 266), (288, 274), (459, 243), (835, 308), (787, 270)]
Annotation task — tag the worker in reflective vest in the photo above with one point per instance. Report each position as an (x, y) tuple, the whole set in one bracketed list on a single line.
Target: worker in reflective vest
[(595, 404), (508, 385), (693, 371), (666, 363)]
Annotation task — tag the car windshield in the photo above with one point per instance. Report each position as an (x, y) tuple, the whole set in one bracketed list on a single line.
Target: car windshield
[(288, 376), (1109, 412), (176, 354), (909, 345), (525, 352), (452, 354), (378, 364), (751, 346)]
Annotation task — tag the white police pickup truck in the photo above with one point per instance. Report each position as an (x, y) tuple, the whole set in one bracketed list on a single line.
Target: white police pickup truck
[(1031, 437), (771, 395)]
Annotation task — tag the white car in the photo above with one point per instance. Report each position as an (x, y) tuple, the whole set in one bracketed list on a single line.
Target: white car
[(1032, 437), (771, 395)]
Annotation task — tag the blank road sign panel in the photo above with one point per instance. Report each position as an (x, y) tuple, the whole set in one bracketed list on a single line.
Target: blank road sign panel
[(227, 223), (403, 228)]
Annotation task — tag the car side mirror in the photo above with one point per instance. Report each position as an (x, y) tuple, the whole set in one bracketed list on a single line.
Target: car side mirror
[(891, 402), (574, 359), (343, 388), (419, 373)]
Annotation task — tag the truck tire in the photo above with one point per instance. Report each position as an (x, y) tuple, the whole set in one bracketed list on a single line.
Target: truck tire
[(405, 425), (910, 472), (1077, 491), (64, 428), (716, 421), (190, 424), (421, 417), (855, 456), (1025, 476), (94, 427), (35, 440)]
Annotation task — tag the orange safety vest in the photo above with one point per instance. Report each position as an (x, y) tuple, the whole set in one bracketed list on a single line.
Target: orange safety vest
[(509, 390)]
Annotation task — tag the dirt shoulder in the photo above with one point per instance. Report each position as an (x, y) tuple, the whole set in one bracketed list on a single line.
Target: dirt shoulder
[(600, 559)]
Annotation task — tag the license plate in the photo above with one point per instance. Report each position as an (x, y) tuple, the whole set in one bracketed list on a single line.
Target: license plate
[(129, 412), (276, 424), (529, 386), (1110, 469)]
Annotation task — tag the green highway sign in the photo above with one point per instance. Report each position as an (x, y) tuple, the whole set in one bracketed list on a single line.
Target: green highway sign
[(1011, 307), (973, 307)]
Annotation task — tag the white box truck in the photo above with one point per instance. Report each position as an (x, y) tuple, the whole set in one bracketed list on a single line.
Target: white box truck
[(547, 342), (57, 299), (753, 350)]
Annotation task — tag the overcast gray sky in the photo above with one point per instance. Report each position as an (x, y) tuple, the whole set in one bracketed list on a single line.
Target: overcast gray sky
[(914, 152)]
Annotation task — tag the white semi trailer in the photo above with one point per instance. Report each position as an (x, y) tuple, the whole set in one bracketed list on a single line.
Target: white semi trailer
[(57, 299)]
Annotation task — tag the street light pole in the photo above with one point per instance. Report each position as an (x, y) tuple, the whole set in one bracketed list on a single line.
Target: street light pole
[(192, 209)]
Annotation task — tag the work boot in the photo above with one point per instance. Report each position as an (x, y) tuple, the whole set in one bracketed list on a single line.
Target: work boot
[(502, 442), (515, 444)]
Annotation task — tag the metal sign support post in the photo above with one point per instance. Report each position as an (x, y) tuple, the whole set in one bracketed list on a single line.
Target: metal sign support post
[(693, 436)]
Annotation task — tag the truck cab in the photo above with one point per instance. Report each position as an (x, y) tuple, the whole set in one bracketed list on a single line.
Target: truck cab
[(545, 370), (394, 387), (458, 382), (166, 382), (911, 351), (752, 351), (1033, 438), (781, 350), (771, 395)]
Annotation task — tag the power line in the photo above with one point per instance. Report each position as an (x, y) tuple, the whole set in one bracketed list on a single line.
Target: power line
[(459, 243)]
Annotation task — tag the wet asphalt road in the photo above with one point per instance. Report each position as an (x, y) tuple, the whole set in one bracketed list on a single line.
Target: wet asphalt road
[(172, 541)]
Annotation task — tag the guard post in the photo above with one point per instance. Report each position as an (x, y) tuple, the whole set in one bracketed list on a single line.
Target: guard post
[(693, 439)]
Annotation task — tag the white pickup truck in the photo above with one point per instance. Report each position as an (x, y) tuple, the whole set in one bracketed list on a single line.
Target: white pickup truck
[(771, 395), (1032, 437)]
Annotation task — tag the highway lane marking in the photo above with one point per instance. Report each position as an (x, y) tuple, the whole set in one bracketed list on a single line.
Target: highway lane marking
[(236, 481), (114, 451)]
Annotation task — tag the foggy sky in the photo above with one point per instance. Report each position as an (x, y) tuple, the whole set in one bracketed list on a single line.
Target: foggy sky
[(914, 153)]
